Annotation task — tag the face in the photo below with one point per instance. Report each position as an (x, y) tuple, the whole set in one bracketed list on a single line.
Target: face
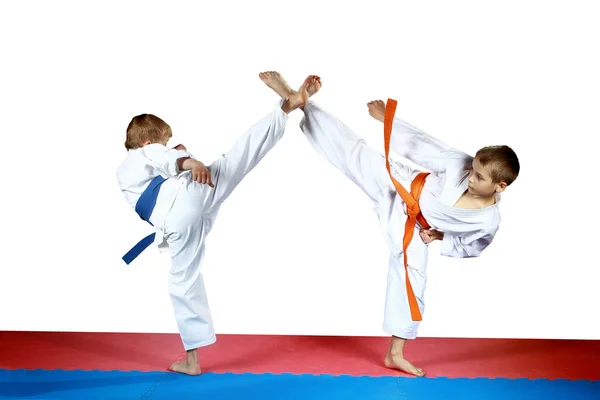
[(480, 182)]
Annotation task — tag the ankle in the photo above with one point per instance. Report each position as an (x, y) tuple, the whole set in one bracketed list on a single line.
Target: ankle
[(397, 347), (287, 107), (192, 355), (396, 353)]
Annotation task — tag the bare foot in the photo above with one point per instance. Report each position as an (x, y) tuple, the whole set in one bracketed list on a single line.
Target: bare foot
[(185, 367), (275, 81), (298, 99), (401, 363), (311, 85), (189, 366), (376, 109), (314, 84)]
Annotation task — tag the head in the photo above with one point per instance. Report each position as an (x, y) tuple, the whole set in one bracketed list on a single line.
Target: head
[(494, 169), (145, 129)]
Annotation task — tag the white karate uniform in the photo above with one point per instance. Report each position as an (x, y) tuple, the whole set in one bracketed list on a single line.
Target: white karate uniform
[(186, 211), (466, 232)]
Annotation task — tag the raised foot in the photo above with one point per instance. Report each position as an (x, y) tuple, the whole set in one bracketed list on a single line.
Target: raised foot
[(185, 367), (402, 364), (275, 81), (313, 84), (298, 99)]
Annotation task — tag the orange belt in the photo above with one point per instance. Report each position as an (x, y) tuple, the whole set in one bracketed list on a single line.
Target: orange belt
[(412, 204)]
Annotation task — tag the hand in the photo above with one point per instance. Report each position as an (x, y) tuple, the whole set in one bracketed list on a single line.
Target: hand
[(201, 174), (429, 235), (376, 109), (179, 147)]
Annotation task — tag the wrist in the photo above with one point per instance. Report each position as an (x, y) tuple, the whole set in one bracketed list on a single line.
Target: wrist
[(188, 163)]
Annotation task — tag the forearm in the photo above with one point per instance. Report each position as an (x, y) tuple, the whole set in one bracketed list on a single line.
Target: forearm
[(187, 163)]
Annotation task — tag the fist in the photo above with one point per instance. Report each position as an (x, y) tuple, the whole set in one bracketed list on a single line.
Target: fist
[(376, 109), (429, 235), (201, 174)]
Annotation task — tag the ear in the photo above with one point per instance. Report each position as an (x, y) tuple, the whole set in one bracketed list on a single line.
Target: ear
[(146, 143), (500, 187)]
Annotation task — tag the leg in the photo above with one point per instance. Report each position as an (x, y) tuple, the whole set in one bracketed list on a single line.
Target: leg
[(397, 319), (186, 235), (337, 143), (395, 358), (420, 147), (229, 170), (345, 150)]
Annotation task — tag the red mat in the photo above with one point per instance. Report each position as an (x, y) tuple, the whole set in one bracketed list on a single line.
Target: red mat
[(470, 358)]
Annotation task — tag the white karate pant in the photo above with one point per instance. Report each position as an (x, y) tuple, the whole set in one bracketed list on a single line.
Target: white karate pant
[(364, 166), (192, 217)]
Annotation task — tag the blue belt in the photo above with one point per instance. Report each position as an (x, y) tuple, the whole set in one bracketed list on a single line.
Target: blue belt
[(144, 207)]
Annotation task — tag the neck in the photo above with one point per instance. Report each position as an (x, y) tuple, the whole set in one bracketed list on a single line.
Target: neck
[(484, 200)]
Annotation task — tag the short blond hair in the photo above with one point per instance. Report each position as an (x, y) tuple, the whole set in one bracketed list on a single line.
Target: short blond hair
[(502, 161), (146, 127)]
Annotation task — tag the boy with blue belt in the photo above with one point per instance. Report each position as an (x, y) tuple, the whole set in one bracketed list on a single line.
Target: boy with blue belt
[(181, 198)]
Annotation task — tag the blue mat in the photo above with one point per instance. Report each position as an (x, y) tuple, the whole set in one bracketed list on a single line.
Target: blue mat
[(89, 385)]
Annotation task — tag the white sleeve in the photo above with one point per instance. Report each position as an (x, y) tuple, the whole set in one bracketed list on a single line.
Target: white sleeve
[(466, 246), (425, 150), (164, 159)]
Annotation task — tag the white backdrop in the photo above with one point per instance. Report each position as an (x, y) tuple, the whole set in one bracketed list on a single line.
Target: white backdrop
[(296, 249)]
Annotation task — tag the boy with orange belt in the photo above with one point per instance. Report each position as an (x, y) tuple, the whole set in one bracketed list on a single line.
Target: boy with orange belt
[(456, 203)]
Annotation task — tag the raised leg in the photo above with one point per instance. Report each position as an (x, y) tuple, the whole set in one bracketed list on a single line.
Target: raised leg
[(230, 169), (420, 147), (345, 150)]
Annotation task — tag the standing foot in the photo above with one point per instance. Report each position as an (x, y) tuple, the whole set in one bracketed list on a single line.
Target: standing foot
[(189, 366), (395, 358), (402, 364)]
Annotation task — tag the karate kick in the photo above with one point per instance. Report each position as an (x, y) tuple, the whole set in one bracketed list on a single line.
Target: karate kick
[(181, 198), (456, 203)]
